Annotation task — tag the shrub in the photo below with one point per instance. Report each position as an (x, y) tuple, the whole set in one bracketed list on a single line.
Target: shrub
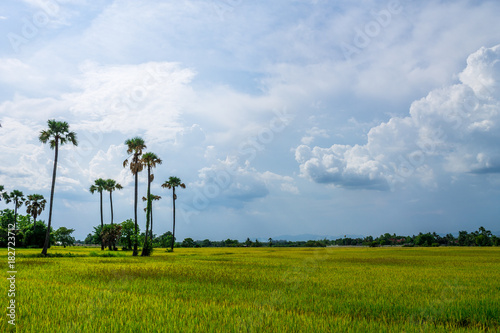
[(148, 249)]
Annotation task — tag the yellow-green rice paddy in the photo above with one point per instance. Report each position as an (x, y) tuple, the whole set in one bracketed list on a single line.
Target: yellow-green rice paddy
[(259, 290)]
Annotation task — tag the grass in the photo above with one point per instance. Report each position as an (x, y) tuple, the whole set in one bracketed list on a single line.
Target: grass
[(259, 290)]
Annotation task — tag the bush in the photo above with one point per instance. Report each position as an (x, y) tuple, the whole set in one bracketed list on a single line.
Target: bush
[(148, 249), (312, 243)]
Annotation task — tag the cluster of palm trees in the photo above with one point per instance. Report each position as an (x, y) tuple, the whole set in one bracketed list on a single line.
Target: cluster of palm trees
[(137, 161), (35, 203), (109, 185), (58, 134)]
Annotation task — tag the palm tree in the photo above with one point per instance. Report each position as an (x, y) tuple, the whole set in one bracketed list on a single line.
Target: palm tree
[(135, 147), (150, 160), (18, 198), (57, 134), (112, 185), (172, 183), (152, 198), (34, 206), (99, 186)]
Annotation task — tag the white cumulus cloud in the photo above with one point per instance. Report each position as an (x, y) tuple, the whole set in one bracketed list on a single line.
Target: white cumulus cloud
[(452, 130)]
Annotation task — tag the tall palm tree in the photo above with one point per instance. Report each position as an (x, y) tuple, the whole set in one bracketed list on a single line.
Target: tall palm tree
[(34, 206), (18, 198), (112, 185), (57, 134), (135, 146), (150, 160), (99, 186), (152, 198), (172, 183)]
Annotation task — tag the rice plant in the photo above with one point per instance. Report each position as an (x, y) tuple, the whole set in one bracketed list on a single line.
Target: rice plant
[(260, 290)]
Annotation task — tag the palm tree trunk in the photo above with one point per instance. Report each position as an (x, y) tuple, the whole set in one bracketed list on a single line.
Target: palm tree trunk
[(15, 214), (111, 246), (111, 203), (34, 222), (173, 228), (148, 210), (47, 234), (151, 221), (102, 222), (135, 211)]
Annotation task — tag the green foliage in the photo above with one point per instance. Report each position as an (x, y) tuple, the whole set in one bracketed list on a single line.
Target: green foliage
[(257, 243), (6, 219), (57, 134), (26, 236), (313, 243), (425, 239), (128, 235), (110, 234), (248, 242), (465, 239), (231, 243), (188, 242), (147, 249), (63, 236), (206, 243), (164, 240), (35, 204), (95, 237), (35, 237), (89, 239)]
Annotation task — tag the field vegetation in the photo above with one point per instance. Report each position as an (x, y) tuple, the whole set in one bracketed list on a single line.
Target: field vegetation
[(332, 289)]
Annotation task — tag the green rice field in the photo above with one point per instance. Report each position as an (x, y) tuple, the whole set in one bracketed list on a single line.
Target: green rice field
[(336, 289)]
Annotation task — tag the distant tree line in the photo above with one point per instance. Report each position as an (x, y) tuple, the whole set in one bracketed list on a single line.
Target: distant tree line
[(481, 237)]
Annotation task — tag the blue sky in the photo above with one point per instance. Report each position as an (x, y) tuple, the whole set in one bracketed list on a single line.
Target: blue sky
[(290, 117)]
